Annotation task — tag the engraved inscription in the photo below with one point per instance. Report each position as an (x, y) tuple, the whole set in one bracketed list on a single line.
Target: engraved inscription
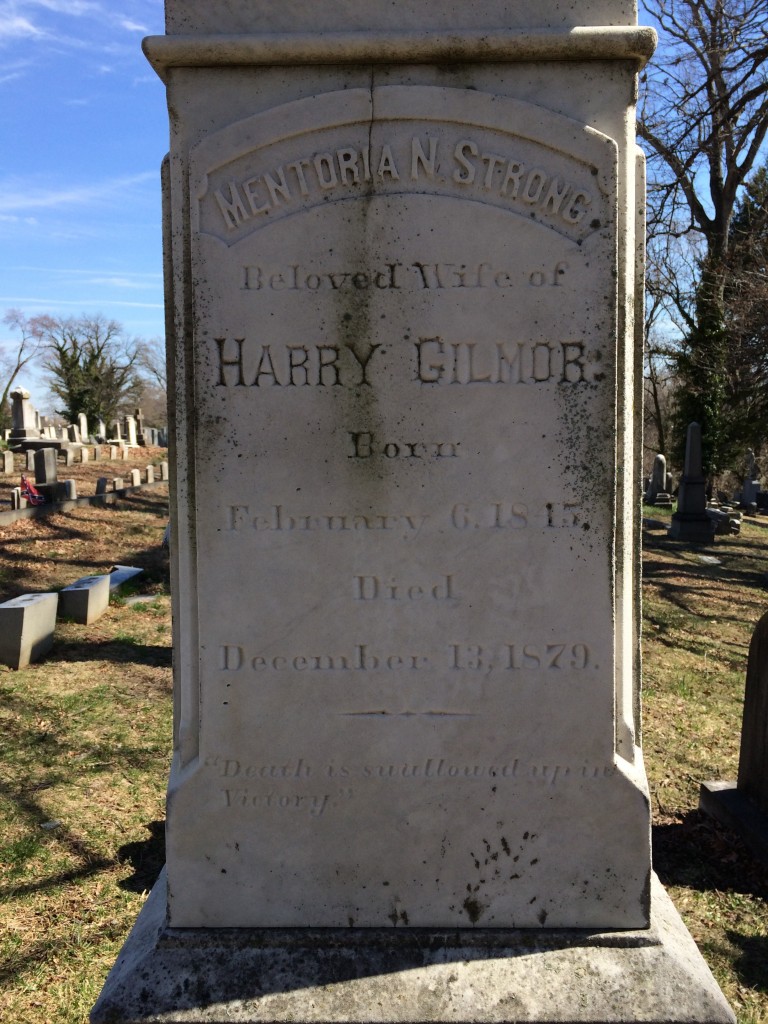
[(420, 275), (464, 167), (235, 658), (505, 362), (496, 515), (377, 588), (279, 519), (366, 445), (433, 767), (299, 365), (558, 657), (241, 362)]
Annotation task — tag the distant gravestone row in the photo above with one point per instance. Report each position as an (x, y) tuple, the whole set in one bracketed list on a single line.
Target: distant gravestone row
[(44, 463), (30, 430), (28, 622)]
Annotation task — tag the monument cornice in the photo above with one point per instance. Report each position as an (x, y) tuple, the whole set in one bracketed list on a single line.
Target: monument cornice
[(630, 43)]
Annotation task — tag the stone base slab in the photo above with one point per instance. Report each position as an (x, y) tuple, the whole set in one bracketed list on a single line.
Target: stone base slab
[(695, 529), (733, 808), (319, 976)]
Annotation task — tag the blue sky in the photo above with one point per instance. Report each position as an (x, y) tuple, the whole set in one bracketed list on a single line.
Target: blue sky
[(83, 128)]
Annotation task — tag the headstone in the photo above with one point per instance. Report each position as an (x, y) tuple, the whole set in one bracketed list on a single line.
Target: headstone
[(135, 478), (6, 462), (753, 756), (17, 502), (23, 416), (118, 483), (102, 431), (113, 450), (130, 431), (690, 522), (70, 490), (73, 434), (27, 624), (38, 422), (126, 454), (69, 456), (102, 485), (116, 431), (30, 456), (396, 405), (657, 492), (45, 466), (82, 426), (750, 487), (85, 454), (743, 805), (164, 470), (120, 574), (85, 600), (140, 428), (150, 474), (96, 452)]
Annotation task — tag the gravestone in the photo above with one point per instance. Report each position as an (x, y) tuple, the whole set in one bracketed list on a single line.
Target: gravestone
[(45, 466), (82, 426), (130, 431), (743, 805), (405, 630), (141, 437), (750, 487), (690, 522), (6, 462), (23, 416), (657, 492), (27, 625), (135, 478), (86, 599)]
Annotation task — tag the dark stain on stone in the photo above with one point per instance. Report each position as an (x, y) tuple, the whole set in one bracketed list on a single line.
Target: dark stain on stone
[(473, 909)]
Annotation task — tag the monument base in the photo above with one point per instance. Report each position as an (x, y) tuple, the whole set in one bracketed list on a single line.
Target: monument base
[(409, 975), (733, 808), (693, 528)]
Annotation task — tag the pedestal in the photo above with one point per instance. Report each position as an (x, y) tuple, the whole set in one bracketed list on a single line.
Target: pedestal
[(330, 975)]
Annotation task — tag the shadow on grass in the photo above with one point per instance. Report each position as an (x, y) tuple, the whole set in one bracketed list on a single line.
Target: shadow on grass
[(146, 857), (119, 651), (699, 853), (751, 964)]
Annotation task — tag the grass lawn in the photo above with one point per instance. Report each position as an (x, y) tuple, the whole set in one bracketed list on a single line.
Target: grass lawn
[(85, 741)]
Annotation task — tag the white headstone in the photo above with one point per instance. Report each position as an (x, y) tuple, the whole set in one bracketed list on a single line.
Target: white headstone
[(130, 431), (23, 415), (405, 637)]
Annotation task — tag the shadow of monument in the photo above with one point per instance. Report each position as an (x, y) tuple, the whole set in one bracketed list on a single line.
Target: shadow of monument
[(751, 965), (699, 853), (146, 857)]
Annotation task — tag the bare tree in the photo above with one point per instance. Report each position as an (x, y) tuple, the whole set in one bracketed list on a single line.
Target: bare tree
[(704, 118), (17, 355)]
